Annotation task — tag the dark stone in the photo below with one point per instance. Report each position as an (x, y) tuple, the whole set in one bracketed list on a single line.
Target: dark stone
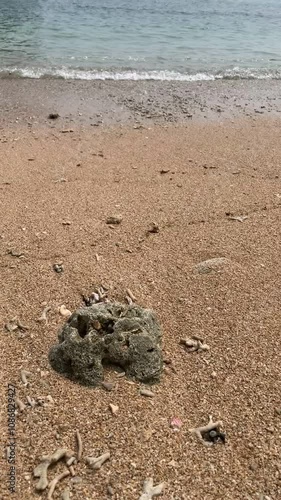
[(53, 116), (128, 336)]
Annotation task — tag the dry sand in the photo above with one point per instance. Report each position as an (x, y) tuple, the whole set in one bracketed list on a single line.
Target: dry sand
[(215, 169)]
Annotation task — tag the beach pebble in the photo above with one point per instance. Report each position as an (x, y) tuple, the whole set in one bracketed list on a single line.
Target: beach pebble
[(108, 386), (58, 268), (113, 408), (207, 266), (110, 490), (64, 311), (146, 392), (154, 228), (114, 220), (176, 424)]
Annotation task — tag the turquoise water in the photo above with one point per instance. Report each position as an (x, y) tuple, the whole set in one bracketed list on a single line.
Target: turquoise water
[(130, 39)]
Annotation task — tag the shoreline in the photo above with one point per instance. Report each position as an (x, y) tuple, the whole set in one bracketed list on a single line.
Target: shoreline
[(26, 102)]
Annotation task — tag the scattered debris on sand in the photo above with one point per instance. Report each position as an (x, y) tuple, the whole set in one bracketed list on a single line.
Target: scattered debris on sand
[(24, 374), (41, 470), (194, 343), (53, 116), (239, 218), (20, 405), (43, 316), (210, 433), (146, 392), (154, 228), (113, 408), (176, 424), (149, 491), (80, 446), (66, 313), (96, 462), (15, 324), (207, 266), (55, 481), (58, 268), (108, 386), (65, 494), (15, 253), (99, 295), (114, 220)]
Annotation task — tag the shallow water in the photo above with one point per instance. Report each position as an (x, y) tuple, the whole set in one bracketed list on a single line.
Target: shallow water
[(160, 39)]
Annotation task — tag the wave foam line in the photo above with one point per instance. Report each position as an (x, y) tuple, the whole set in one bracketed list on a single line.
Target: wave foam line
[(162, 75)]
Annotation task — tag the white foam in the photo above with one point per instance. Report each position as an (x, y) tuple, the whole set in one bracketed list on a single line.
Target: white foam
[(162, 75)]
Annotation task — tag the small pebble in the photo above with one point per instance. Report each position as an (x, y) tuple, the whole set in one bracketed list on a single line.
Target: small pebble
[(58, 268), (146, 392), (76, 480), (154, 228), (110, 490), (114, 220), (176, 424), (113, 408), (108, 386)]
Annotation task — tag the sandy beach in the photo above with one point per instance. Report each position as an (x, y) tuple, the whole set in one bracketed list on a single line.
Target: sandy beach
[(203, 162)]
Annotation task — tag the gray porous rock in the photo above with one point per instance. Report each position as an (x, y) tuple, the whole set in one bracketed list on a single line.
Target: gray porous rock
[(109, 333)]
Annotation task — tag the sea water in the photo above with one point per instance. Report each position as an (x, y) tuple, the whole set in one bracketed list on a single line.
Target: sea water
[(141, 39)]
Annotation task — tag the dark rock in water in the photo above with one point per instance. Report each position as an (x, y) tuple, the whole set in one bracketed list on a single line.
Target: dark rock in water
[(128, 336)]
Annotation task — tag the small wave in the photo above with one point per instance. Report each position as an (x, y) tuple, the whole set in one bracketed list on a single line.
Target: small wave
[(161, 75)]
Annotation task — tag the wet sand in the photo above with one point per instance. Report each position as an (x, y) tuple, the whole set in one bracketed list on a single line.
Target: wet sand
[(97, 103), (216, 169)]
